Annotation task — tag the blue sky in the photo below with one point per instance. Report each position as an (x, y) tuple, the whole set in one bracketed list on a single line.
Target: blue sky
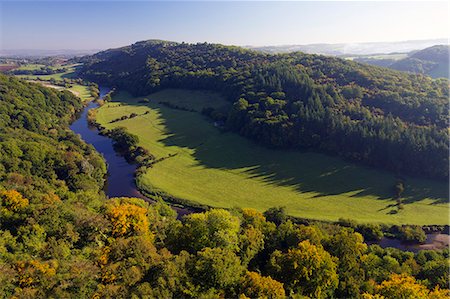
[(107, 24)]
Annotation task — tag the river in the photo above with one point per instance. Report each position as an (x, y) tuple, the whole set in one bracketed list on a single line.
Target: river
[(120, 180)]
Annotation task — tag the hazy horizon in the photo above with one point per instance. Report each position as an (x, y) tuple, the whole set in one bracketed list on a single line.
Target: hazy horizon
[(85, 25), (439, 40)]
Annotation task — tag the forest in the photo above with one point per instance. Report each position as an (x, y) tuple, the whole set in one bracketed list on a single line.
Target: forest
[(62, 238), (379, 117)]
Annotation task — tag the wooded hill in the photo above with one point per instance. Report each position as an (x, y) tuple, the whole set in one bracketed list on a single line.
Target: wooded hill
[(60, 237), (432, 61), (378, 116)]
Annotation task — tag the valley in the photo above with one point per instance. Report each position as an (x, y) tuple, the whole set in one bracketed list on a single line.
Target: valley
[(158, 149), (212, 167), (63, 76)]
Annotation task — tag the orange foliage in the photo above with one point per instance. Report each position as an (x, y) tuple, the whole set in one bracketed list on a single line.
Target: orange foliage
[(128, 219), (51, 198)]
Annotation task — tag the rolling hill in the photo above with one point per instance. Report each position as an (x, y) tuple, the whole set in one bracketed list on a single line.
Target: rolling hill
[(432, 61), (343, 49), (382, 118)]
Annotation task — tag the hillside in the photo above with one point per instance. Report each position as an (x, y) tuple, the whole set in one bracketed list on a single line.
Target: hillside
[(197, 163), (346, 49), (61, 238), (382, 118), (432, 61)]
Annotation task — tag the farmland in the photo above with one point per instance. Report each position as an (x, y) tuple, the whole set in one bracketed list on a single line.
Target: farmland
[(58, 80), (221, 169)]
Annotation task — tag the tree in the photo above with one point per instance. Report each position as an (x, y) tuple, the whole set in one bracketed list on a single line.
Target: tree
[(308, 270), (214, 228), (123, 139), (400, 286), (12, 201), (251, 242), (127, 218), (349, 248), (217, 268), (276, 215), (256, 286)]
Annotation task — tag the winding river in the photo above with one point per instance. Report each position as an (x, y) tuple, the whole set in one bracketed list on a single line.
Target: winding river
[(121, 182)]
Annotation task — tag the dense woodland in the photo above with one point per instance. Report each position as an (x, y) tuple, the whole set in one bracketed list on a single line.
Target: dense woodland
[(61, 238), (380, 117)]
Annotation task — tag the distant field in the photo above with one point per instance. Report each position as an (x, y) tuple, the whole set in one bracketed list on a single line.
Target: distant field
[(393, 56), (77, 89), (222, 169), (30, 67), (4, 67), (69, 74)]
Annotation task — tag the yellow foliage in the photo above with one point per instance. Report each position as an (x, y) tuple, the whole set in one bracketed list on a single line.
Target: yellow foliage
[(253, 214), (12, 200), (252, 217), (370, 296), (30, 272), (438, 293), (104, 257), (400, 286), (257, 286), (108, 277), (128, 218)]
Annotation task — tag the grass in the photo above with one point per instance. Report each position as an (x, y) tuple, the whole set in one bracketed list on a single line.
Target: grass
[(222, 169), (70, 73), (30, 67), (79, 90)]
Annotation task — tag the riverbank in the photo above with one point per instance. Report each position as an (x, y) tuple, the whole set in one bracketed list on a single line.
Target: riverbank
[(121, 174), (122, 182)]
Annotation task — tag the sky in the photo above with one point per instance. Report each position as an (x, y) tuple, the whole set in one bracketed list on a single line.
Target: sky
[(82, 25)]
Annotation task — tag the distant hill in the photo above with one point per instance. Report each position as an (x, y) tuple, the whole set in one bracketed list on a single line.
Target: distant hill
[(378, 116), (353, 48), (37, 53), (432, 61)]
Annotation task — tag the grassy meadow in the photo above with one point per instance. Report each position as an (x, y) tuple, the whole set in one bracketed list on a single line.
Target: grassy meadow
[(79, 90), (223, 169), (69, 73)]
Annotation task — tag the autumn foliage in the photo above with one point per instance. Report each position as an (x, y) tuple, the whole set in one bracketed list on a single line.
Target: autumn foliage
[(12, 201), (264, 287), (128, 219)]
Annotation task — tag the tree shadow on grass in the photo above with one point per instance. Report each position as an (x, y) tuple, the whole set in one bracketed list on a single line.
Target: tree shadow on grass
[(305, 171)]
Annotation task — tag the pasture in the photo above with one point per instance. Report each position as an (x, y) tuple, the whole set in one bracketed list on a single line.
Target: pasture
[(223, 169), (70, 72), (79, 90)]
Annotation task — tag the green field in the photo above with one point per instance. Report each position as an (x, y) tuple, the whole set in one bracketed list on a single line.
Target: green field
[(30, 67), (69, 73), (222, 169), (79, 90)]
